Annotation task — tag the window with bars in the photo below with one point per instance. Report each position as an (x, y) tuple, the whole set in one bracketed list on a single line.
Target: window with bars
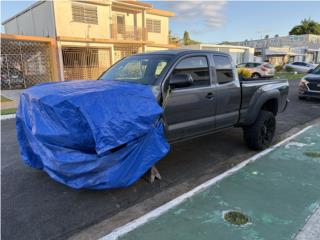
[(153, 25), (84, 13)]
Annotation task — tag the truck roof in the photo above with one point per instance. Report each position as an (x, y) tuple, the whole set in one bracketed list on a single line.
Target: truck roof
[(182, 52)]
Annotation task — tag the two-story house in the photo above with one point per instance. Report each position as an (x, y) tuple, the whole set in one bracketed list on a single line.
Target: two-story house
[(93, 34)]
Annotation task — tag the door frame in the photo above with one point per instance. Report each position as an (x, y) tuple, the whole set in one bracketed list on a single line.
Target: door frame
[(211, 86)]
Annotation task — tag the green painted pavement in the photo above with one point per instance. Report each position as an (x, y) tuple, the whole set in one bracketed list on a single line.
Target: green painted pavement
[(278, 192)]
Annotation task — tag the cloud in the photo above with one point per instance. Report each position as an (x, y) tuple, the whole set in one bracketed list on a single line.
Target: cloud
[(207, 13)]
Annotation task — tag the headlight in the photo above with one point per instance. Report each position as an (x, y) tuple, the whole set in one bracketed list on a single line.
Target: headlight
[(303, 83)]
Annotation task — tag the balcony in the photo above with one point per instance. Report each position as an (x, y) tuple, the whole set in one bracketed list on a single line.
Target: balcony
[(127, 32)]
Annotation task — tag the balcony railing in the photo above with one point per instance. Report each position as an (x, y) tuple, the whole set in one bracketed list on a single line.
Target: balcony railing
[(127, 32)]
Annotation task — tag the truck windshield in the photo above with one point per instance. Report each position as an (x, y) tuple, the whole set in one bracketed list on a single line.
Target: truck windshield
[(145, 69), (316, 70)]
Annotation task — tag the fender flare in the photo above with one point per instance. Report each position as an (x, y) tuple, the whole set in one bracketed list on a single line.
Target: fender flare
[(257, 101)]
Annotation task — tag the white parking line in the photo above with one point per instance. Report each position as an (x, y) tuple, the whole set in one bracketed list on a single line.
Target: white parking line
[(8, 116), (115, 234)]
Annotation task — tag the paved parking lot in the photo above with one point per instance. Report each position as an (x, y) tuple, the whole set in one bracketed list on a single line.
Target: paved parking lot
[(36, 207)]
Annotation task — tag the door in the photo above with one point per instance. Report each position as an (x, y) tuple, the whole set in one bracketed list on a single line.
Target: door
[(228, 92), (190, 110), (121, 24)]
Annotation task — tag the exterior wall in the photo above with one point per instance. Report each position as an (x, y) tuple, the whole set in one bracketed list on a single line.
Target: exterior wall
[(153, 49), (163, 36), (307, 40), (78, 43), (37, 21), (129, 18), (67, 27), (54, 19)]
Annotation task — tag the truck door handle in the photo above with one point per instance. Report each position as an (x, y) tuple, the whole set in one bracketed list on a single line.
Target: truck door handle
[(210, 96)]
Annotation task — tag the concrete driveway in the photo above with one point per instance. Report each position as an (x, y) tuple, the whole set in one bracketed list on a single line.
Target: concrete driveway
[(36, 207)]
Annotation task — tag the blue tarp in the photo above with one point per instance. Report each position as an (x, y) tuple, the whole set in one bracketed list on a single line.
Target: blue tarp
[(91, 134)]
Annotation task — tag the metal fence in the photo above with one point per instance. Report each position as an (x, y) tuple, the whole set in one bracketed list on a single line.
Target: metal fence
[(85, 63), (25, 62), (124, 50)]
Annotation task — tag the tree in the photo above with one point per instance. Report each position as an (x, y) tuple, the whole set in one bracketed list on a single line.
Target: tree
[(306, 26), (187, 40), (225, 43), (266, 36)]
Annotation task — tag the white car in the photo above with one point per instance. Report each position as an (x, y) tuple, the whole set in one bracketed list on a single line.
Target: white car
[(301, 67), (258, 70)]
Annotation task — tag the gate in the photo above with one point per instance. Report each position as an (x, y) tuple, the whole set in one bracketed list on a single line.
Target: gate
[(25, 61), (121, 51), (85, 63)]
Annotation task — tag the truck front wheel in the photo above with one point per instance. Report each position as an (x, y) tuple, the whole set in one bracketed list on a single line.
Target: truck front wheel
[(259, 135)]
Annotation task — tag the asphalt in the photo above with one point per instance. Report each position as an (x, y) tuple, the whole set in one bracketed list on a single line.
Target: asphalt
[(35, 207), (267, 191)]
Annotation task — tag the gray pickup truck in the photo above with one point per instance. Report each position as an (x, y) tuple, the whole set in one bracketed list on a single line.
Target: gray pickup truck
[(201, 93)]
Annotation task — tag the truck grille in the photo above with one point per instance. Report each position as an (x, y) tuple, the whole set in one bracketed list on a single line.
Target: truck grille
[(314, 86)]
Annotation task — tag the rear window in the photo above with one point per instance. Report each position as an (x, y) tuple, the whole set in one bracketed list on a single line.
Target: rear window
[(252, 65), (268, 65), (224, 69)]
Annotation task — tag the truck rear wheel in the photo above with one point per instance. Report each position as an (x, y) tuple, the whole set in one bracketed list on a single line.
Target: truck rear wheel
[(259, 135)]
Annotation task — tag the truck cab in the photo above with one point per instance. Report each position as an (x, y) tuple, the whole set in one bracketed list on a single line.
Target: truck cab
[(209, 101), (200, 92)]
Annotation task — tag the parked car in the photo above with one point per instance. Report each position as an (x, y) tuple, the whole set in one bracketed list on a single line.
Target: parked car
[(258, 70), (199, 101), (309, 85), (301, 67)]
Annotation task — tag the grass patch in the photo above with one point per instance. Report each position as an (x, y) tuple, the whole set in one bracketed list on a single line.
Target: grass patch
[(236, 218), (4, 99), (289, 76), (312, 154), (8, 111)]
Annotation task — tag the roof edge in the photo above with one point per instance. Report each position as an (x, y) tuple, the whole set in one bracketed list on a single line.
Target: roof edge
[(160, 12), (23, 11)]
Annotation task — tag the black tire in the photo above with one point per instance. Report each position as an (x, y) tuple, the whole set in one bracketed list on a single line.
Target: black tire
[(302, 98), (259, 135), (255, 76)]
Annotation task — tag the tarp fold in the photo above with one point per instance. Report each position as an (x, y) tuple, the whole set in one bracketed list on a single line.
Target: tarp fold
[(91, 134)]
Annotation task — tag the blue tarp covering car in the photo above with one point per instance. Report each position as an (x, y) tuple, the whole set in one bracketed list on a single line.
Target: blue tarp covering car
[(91, 134)]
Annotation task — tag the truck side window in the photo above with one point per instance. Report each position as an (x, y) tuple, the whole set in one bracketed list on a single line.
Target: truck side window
[(197, 67), (223, 68)]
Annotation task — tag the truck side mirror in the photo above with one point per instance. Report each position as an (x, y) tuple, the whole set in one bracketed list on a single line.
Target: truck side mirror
[(181, 80)]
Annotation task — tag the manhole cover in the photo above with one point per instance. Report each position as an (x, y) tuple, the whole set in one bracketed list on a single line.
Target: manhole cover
[(236, 218)]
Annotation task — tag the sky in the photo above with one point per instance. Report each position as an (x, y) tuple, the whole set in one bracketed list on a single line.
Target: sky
[(218, 21)]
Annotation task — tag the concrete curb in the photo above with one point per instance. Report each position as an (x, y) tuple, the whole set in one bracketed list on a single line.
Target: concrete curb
[(7, 116), (311, 230)]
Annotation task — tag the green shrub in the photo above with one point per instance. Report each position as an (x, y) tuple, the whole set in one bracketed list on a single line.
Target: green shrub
[(245, 73), (289, 69), (278, 68)]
